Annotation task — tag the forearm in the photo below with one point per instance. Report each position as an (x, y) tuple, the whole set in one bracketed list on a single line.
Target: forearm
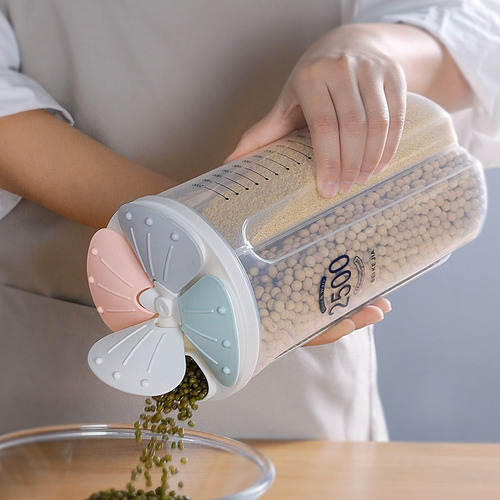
[(429, 68), (47, 161)]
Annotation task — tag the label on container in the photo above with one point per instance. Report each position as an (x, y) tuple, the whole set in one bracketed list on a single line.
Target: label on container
[(344, 277)]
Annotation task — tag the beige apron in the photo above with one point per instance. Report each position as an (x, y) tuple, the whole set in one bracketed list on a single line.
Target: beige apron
[(171, 85)]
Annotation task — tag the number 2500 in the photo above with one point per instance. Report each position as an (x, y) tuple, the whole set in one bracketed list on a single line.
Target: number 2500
[(339, 283)]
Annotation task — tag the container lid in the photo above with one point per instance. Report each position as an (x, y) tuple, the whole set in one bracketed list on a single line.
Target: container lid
[(170, 285)]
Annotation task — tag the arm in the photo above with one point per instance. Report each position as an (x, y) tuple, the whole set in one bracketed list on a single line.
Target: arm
[(428, 66), (74, 175), (44, 159)]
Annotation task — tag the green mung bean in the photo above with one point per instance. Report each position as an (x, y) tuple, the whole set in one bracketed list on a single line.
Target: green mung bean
[(156, 418)]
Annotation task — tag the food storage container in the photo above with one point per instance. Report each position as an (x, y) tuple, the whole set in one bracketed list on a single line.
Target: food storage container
[(247, 262)]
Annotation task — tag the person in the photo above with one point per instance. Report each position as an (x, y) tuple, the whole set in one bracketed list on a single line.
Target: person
[(105, 101)]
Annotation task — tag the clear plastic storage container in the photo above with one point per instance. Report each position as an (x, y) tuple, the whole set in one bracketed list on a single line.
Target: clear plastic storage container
[(243, 264)]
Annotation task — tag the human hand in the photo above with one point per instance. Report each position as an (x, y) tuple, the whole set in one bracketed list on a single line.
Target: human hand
[(352, 96), (368, 315)]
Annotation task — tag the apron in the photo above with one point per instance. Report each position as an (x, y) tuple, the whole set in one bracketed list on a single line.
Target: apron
[(170, 85)]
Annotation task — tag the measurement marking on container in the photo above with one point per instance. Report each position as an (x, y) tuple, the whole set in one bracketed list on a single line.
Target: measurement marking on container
[(246, 177), (227, 187), (258, 173), (210, 189), (302, 144), (253, 171), (267, 168), (230, 179), (236, 182), (300, 152), (286, 156), (274, 161)]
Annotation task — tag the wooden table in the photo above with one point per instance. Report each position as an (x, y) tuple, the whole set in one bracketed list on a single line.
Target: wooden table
[(67, 468), (402, 471)]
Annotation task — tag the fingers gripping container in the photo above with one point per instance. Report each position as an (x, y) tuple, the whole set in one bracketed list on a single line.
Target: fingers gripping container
[(247, 262)]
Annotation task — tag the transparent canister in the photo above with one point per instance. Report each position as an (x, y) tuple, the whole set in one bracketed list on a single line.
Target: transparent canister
[(275, 264)]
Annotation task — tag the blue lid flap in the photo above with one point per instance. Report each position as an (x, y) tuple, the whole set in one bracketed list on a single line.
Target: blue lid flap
[(208, 322)]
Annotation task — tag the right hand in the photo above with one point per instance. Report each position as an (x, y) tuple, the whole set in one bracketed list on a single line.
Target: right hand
[(352, 96)]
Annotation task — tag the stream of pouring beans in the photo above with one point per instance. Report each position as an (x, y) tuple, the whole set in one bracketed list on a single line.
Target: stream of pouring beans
[(164, 416)]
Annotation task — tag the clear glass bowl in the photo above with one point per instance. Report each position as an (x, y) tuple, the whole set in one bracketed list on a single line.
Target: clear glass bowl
[(72, 462)]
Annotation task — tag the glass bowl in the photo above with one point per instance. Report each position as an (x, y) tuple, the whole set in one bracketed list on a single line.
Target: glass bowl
[(72, 462)]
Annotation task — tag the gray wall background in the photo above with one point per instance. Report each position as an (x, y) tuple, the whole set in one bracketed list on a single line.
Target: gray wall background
[(439, 347)]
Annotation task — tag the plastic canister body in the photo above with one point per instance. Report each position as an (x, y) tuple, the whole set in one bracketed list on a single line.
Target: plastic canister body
[(312, 261), (248, 262), (363, 248)]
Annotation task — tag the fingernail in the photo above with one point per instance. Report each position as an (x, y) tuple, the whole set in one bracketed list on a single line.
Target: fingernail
[(328, 189), (362, 177), (345, 187), (379, 168)]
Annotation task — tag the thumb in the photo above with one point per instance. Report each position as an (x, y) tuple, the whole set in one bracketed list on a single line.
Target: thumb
[(265, 131)]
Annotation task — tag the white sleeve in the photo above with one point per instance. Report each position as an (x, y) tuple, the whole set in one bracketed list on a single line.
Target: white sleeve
[(470, 30), (19, 93)]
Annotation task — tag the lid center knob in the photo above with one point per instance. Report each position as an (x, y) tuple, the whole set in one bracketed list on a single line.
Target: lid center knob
[(164, 306)]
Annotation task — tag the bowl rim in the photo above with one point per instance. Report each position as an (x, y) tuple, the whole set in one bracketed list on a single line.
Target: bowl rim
[(127, 431)]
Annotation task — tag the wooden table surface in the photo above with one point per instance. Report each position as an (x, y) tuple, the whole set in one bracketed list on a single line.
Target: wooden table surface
[(396, 470), (67, 469)]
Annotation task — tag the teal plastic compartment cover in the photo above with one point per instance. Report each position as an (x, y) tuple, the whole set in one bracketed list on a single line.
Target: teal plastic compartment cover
[(208, 322)]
